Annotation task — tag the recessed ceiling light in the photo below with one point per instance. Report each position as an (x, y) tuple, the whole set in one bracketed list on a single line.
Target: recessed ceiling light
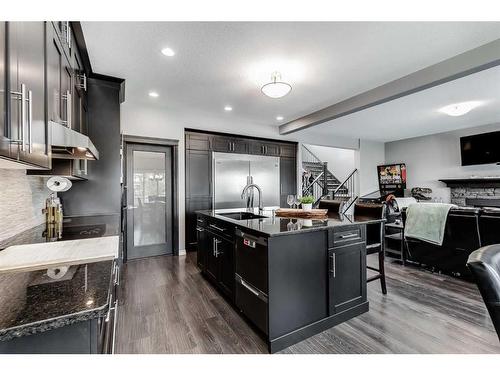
[(228, 108), (276, 88), (460, 109), (153, 94), (279, 118), (167, 51)]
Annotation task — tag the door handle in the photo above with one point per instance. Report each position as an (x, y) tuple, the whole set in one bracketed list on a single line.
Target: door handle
[(131, 207)]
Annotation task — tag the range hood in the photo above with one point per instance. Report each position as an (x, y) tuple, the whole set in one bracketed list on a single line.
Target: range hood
[(70, 144)]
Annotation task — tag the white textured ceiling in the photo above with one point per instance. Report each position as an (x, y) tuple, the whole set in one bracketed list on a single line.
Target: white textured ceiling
[(418, 114), (220, 63)]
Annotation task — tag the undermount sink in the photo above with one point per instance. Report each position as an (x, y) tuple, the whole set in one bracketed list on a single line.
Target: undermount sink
[(242, 215)]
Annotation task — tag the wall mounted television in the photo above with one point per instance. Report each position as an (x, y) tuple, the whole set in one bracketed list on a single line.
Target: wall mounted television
[(480, 148)]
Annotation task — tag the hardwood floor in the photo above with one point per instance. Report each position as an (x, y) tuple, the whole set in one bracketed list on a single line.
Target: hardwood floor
[(168, 307)]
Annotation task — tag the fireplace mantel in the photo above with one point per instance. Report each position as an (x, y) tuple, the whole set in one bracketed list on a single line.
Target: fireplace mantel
[(476, 182)]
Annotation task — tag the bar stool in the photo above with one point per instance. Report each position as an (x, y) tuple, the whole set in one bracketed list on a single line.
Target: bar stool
[(374, 238)]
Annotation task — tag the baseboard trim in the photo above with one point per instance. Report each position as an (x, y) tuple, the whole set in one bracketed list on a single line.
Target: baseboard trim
[(182, 252)]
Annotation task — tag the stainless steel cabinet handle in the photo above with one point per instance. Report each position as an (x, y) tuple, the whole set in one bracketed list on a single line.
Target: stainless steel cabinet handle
[(18, 96), (199, 220), (69, 109), (114, 328), (216, 245), (254, 291), (68, 34), (23, 116), (30, 121), (67, 97), (332, 266), (200, 229), (216, 227), (117, 274), (352, 235)]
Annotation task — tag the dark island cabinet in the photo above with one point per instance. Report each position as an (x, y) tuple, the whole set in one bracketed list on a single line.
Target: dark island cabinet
[(26, 126), (289, 286), (347, 288), (216, 259)]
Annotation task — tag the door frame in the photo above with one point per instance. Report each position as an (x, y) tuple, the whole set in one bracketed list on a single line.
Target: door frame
[(174, 144)]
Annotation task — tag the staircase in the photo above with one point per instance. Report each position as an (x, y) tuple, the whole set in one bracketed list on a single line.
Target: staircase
[(324, 183)]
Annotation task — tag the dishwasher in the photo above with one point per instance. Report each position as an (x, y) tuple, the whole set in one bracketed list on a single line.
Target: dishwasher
[(251, 293)]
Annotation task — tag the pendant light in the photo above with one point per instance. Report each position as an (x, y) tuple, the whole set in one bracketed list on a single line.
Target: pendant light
[(276, 88)]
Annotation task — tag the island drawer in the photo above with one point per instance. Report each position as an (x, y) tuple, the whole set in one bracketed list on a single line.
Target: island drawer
[(201, 221), (345, 235), (252, 302), (220, 227)]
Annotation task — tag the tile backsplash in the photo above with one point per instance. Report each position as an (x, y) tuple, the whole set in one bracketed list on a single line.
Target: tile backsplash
[(22, 198)]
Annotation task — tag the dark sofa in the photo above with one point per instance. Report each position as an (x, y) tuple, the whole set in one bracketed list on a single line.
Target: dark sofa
[(467, 229)]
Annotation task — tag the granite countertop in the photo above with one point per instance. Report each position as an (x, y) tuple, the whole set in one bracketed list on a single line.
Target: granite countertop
[(273, 225), (32, 302)]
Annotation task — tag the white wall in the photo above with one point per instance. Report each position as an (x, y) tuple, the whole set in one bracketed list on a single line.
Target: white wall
[(341, 161), (437, 156), (156, 122), (370, 155)]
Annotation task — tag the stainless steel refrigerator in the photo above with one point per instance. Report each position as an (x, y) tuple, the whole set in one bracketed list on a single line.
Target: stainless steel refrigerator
[(233, 172)]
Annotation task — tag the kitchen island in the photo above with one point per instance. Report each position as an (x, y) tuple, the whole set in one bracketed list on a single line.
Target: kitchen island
[(291, 278)]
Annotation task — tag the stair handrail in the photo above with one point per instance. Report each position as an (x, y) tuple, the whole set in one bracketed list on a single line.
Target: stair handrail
[(342, 185), (318, 160)]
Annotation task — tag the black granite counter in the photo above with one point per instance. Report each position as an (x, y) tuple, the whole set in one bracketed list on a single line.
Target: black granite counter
[(32, 302), (74, 228), (273, 225)]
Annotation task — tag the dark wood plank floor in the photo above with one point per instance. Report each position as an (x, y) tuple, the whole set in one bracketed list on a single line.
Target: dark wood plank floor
[(168, 307)]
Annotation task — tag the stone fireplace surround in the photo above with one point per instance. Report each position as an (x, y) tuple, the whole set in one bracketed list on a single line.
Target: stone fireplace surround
[(479, 192)]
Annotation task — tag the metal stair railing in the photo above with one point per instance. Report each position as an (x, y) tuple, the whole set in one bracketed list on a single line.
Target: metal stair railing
[(346, 191)]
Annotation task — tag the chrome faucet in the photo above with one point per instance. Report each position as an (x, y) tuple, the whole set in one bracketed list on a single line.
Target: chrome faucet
[(245, 191)]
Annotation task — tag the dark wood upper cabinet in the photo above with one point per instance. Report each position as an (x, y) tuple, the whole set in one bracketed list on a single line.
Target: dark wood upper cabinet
[(28, 129), (55, 58), (227, 144), (288, 151), (265, 148), (197, 141)]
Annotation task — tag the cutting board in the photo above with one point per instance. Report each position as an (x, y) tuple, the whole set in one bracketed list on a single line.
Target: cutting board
[(45, 255), (293, 212)]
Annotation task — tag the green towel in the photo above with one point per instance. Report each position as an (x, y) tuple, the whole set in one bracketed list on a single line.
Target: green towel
[(427, 221)]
